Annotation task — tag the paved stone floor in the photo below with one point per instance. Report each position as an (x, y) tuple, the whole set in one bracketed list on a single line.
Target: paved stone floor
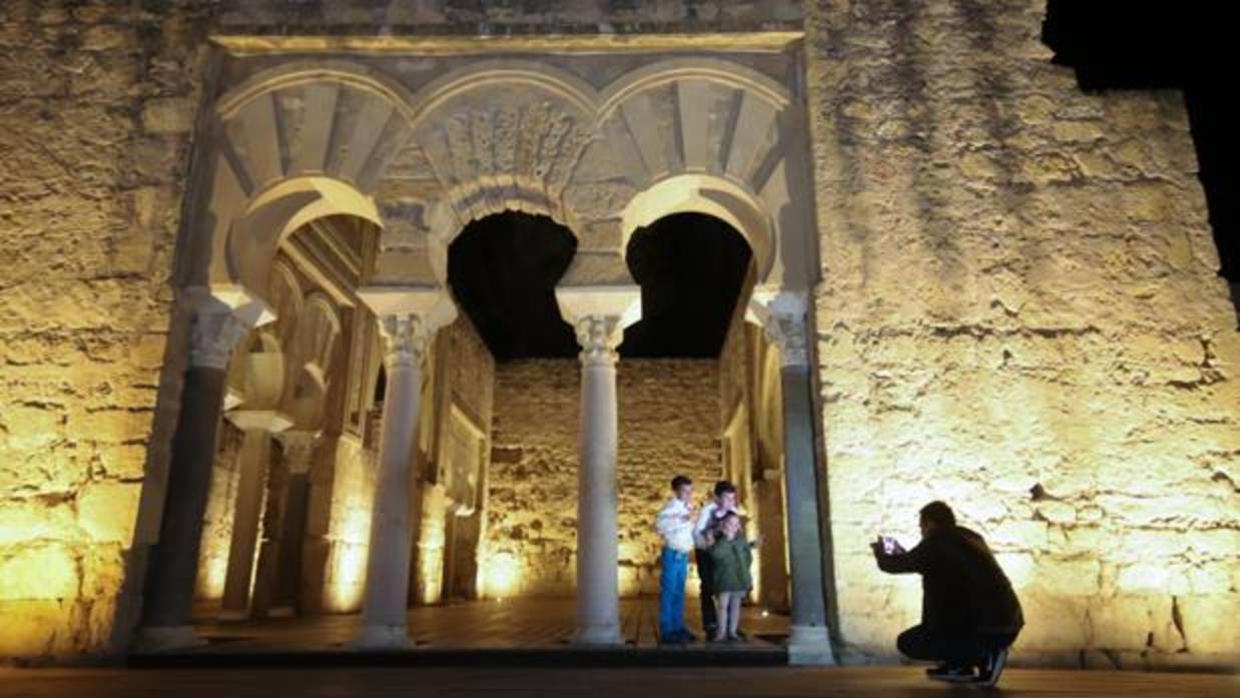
[(887, 682), (510, 624)]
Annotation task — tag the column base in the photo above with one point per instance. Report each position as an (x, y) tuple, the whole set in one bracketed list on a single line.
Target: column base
[(599, 636), (161, 639), (809, 645), (383, 637)]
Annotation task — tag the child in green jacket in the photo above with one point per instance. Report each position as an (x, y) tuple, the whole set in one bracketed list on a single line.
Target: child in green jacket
[(731, 557)]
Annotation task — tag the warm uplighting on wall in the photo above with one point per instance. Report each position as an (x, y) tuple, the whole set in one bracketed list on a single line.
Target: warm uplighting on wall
[(347, 577), (503, 575), (211, 584)]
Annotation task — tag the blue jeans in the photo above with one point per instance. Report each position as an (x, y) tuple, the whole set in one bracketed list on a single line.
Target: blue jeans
[(672, 594)]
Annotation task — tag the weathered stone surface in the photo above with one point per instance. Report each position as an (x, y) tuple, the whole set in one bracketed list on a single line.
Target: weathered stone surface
[(94, 134), (1018, 308), (1019, 313), (669, 419)]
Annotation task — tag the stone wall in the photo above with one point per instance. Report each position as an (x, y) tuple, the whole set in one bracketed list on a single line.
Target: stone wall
[(449, 532), (669, 424), (469, 16), (94, 120), (1019, 313)]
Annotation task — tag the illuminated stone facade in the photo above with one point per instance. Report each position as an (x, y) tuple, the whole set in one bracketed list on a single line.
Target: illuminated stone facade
[(1013, 286), (1020, 313)]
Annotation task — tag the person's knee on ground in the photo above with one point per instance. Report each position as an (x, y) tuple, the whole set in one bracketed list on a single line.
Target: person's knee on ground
[(915, 643)]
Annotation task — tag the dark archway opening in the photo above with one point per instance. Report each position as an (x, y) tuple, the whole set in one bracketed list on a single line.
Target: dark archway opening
[(692, 269), (1165, 46), (503, 270)]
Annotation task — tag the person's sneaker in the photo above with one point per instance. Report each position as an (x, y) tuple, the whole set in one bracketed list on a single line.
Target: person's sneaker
[(741, 637), (688, 637), (954, 674), (995, 661)]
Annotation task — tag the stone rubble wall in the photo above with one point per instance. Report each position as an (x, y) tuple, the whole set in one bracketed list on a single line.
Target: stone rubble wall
[(97, 105), (473, 17), (1020, 314), (669, 424)]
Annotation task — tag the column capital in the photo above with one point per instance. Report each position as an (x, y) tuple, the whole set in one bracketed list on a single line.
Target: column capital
[(408, 317), (299, 445), (223, 316), (784, 318), (599, 315)]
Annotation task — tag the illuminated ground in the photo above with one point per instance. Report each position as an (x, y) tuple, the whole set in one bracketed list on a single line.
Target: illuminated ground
[(597, 683), (512, 624)]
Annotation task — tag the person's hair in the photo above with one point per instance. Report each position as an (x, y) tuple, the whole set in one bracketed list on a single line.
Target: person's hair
[(680, 481), (728, 517), (939, 513), (723, 487)]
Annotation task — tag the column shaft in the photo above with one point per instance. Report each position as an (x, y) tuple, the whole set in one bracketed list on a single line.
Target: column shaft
[(809, 641), (598, 559), (247, 510), (384, 605), (173, 566)]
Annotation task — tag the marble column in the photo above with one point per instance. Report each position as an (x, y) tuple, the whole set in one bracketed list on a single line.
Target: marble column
[(408, 319), (786, 326), (599, 317), (259, 426), (221, 320)]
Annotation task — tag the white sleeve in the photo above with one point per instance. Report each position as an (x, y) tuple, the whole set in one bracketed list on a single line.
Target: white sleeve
[(665, 522)]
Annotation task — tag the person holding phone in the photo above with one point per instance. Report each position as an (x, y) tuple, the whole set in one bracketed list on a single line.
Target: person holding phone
[(970, 615)]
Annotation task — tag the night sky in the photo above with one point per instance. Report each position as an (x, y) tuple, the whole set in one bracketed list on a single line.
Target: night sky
[(503, 270)]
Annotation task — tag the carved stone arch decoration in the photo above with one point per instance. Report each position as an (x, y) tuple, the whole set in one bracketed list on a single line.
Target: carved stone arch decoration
[(284, 296), (291, 144), (314, 350), (319, 337), (505, 136), (690, 134)]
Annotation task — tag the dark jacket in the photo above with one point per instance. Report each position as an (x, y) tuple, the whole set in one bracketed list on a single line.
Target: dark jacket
[(730, 564), (963, 587)]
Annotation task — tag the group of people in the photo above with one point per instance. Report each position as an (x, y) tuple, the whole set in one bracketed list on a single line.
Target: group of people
[(970, 613), (715, 536)]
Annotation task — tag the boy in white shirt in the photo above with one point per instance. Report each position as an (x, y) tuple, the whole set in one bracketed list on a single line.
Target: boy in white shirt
[(675, 523)]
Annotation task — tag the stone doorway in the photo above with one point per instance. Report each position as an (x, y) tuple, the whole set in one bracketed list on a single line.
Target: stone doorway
[(347, 178)]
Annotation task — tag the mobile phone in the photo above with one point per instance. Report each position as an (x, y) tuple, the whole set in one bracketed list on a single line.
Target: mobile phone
[(889, 545)]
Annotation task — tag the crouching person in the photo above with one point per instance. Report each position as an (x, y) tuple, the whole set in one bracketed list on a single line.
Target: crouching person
[(970, 615)]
